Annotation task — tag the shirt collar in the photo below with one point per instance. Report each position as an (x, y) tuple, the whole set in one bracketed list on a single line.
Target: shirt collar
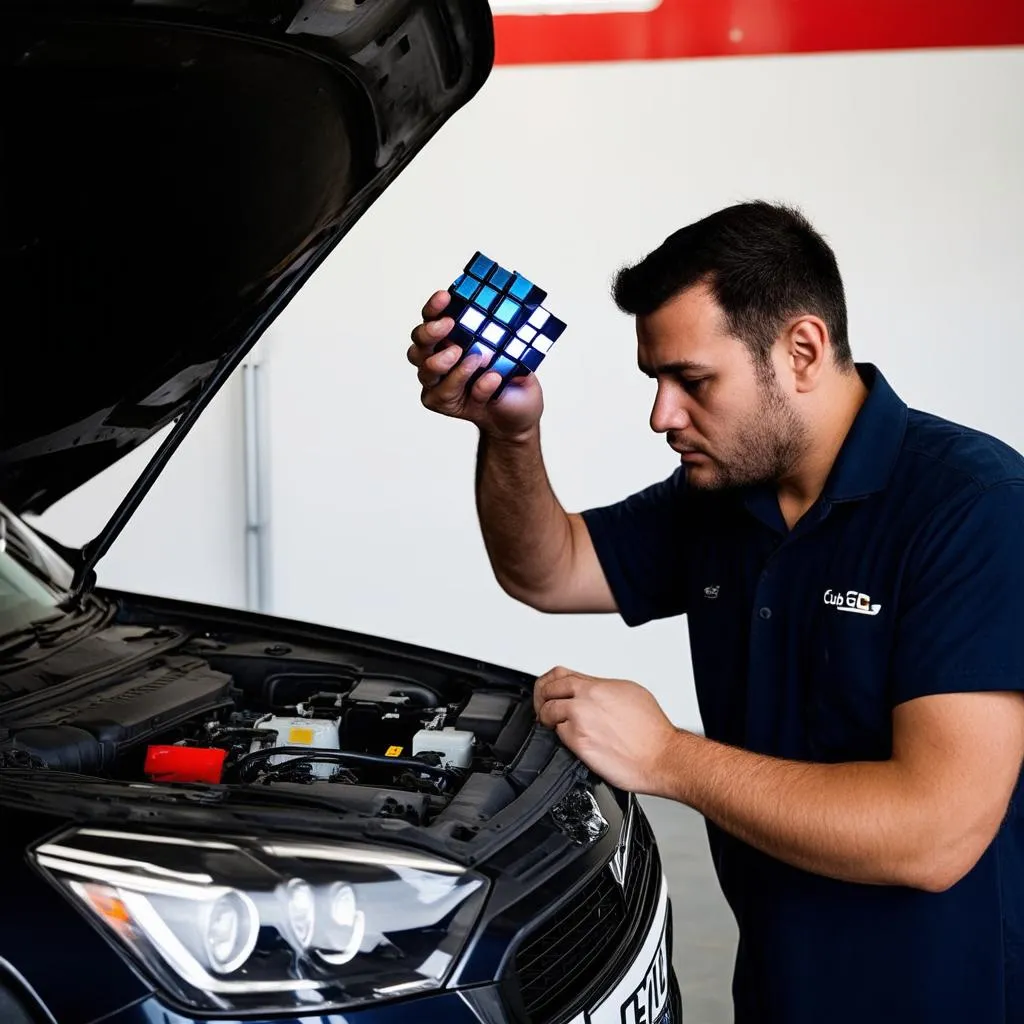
[(866, 459), (868, 455)]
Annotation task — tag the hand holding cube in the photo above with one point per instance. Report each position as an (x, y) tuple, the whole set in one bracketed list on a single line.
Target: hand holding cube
[(499, 318), (490, 319)]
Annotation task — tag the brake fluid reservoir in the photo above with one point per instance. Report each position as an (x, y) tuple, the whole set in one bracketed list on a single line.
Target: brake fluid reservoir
[(454, 745), (317, 733)]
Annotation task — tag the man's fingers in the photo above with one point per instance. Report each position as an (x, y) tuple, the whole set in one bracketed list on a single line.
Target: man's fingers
[(558, 684), (555, 713), (555, 673), (450, 389), (437, 365), (485, 387), (436, 302), (427, 335)]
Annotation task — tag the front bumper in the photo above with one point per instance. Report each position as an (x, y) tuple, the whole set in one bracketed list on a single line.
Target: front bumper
[(444, 1008), (600, 953)]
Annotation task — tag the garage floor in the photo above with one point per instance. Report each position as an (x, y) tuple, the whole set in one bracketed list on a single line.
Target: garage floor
[(705, 933)]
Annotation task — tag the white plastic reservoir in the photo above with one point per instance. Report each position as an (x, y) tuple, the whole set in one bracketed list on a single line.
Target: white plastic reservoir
[(454, 745), (320, 733)]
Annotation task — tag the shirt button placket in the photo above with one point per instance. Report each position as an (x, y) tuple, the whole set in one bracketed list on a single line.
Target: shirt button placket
[(764, 641)]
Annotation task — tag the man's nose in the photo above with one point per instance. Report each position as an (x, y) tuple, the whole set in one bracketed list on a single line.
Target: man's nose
[(669, 414)]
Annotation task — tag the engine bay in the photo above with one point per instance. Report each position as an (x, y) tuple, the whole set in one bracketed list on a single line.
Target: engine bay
[(380, 736)]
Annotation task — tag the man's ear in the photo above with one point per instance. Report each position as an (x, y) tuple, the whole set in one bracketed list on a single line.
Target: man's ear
[(806, 350)]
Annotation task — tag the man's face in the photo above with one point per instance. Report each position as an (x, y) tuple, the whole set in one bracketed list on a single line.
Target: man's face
[(731, 423)]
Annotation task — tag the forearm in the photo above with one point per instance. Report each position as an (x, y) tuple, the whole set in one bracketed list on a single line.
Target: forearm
[(869, 822), (526, 531)]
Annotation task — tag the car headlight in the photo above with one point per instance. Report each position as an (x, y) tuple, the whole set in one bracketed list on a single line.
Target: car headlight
[(244, 925)]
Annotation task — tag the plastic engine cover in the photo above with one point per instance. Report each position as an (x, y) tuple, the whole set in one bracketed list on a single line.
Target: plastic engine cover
[(90, 731)]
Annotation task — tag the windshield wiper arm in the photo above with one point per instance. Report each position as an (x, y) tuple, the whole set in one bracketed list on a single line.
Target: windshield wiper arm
[(45, 631)]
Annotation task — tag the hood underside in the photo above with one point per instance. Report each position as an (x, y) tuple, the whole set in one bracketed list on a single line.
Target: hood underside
[(171, 171)]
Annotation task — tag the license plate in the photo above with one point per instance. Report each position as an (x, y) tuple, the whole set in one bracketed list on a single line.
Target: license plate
[(642, 996)]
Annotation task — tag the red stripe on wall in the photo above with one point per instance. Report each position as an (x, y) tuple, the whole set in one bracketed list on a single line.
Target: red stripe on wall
[(719, 28)]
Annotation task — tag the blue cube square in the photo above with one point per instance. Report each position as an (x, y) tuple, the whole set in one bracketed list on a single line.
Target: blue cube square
[(532, 358), (504, 365), (498, 314), (478, 348), (480, 266), (465, 286), (507, 311), (500, 278), (520, 288), (535, 297), (553, 328), (486, 297)]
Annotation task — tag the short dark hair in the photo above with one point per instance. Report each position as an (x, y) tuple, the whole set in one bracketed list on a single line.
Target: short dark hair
[(763, 262)]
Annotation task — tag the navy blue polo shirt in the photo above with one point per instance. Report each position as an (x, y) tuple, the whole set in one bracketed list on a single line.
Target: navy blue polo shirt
[(905, 578)]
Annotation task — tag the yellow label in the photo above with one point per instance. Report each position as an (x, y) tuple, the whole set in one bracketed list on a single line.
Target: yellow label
[(393, 752), (299, 735)]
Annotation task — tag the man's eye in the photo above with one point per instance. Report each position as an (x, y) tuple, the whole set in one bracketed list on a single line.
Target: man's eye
[(693, 386)]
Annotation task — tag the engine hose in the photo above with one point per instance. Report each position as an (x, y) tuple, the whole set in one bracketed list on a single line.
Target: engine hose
[(239, 770)]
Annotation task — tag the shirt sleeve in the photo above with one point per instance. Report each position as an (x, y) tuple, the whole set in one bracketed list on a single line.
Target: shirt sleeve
[(961, 622), (640, 544)]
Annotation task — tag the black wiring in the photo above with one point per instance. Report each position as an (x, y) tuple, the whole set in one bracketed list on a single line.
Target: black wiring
[(300, 769), (241, 769), (13, 759)]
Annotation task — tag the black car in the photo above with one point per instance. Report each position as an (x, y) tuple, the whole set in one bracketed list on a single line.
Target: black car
[(211, 814)]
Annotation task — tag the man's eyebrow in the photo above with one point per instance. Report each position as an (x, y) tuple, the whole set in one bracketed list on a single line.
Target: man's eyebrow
[(682, 366)]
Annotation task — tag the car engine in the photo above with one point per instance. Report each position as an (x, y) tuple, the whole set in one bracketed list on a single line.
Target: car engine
[(383, 741)]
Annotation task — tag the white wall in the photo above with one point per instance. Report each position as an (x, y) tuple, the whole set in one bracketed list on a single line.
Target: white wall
[(187, 539), (910, 163)]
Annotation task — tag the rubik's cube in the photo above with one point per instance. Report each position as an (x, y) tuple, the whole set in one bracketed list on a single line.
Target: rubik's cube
[(498, 315)]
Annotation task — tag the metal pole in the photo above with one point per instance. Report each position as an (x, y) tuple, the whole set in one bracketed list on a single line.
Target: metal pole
[(255, 482)]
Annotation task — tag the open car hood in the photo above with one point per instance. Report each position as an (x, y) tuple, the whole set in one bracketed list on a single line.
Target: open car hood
[(171, 171)]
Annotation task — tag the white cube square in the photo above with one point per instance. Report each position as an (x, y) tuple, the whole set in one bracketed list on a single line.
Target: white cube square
[(472, 318), (515, 348), (542, 343), (493, 333), (539, 317)]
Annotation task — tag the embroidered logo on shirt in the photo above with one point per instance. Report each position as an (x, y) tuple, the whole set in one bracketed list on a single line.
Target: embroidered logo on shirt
[(711, 592), (851, 601)]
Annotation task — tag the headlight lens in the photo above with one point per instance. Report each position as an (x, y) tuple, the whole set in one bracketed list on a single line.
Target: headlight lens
[(230, 930), (301, 911), (240, 925)]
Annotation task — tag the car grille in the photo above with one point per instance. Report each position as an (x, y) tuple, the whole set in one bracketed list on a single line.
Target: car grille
[(571, 960)]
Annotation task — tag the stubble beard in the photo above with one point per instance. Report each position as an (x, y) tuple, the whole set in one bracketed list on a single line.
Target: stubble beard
[(767, 445)]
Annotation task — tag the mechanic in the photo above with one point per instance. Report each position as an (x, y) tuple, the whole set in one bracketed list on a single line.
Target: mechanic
[(852, 573)]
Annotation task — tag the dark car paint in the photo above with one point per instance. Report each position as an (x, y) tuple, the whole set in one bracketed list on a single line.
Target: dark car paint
[(476, 1006)]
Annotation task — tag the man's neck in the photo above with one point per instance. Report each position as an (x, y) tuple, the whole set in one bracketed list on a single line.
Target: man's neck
[(801, 488)]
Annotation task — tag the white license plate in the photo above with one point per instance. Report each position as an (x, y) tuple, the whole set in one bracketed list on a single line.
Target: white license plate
[(642, 996)]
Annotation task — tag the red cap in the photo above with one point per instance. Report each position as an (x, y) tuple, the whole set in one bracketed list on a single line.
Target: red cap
[(184, 764)]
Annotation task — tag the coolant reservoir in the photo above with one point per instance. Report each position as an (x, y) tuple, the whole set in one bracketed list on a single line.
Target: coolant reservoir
[(454, 745), (320, 733)]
